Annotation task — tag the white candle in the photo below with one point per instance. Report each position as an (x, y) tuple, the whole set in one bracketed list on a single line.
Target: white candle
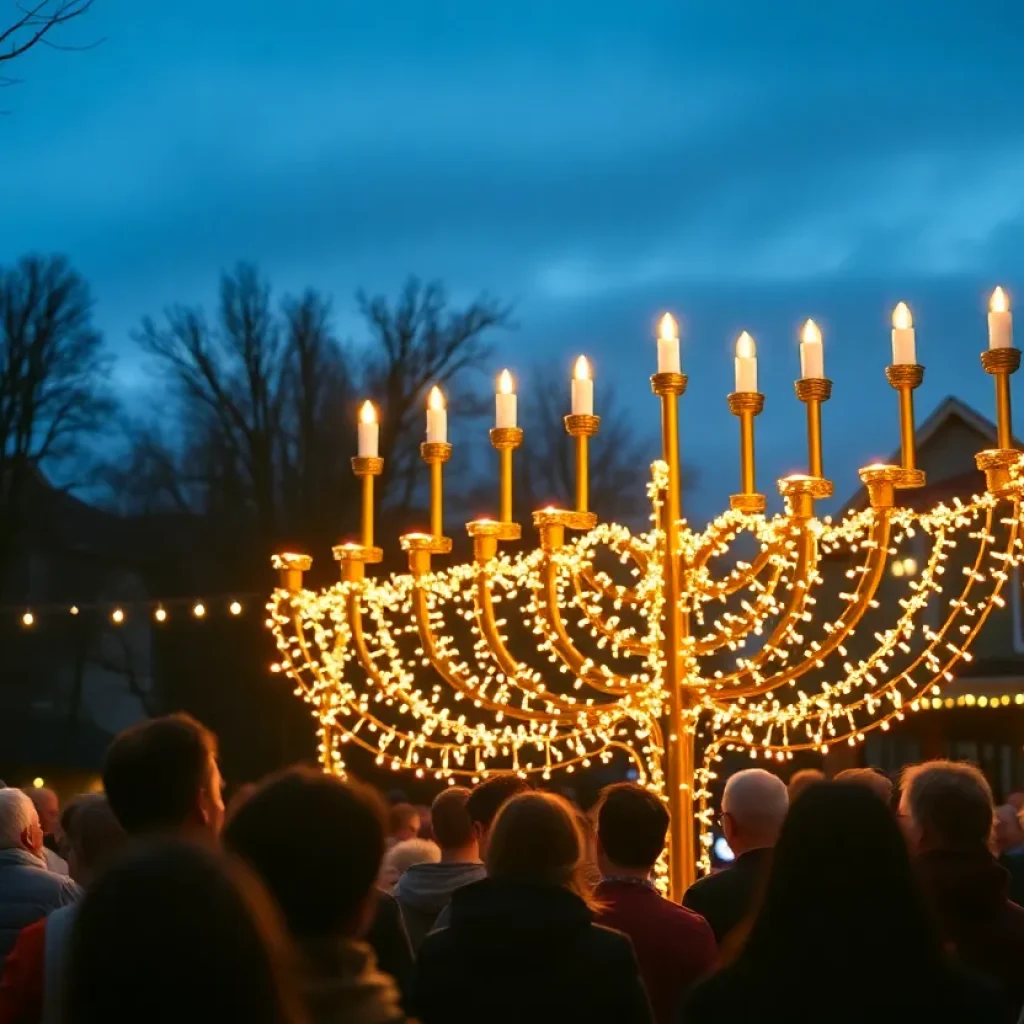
[(746, 363), (668, 345), (369, 432), (437, 417), (1000, 321), (505, 402), (812, 357), (582, 389), (904, 349)]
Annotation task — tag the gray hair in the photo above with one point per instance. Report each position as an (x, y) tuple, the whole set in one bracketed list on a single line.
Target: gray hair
[(951, 800), (756, 800), (17, 813)]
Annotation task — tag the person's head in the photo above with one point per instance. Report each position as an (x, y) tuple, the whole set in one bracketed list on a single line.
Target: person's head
[(404, 855), (536, 839), (176, 932), (754, 806), (426, 824), (631, 827), (47, 807), (801, 780), (841, 871), (403, 823), (161, 776), (875, 781), (93, 835), (486, 799), (19, 823), (1008, 833), (1015, 800), (453, 827), (316, 842), (946, 804)]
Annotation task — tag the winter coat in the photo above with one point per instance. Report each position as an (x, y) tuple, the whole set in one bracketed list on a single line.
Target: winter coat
[(424, 891), (341, 984), (518, 953), (724, 899), (390, 944), (967, 890), (28, 892)]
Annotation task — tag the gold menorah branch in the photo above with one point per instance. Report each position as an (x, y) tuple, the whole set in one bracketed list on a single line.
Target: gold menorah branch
[(581, 428), (625, 666)]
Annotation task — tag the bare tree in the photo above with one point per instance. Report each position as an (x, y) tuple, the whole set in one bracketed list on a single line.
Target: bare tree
[(262, 395), (36, 24), (619, 458), (54, 377), (416, 342)]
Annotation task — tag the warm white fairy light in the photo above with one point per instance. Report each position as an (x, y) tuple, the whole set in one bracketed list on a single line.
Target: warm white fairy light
[(419, 671)]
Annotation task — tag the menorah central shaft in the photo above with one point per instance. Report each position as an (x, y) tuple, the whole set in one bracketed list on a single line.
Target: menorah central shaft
[(679, 737)]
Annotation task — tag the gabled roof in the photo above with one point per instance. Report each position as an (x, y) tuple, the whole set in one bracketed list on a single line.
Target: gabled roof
[(947, 411)]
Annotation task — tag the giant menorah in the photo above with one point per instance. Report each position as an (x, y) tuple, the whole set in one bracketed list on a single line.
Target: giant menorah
[(677, 663)]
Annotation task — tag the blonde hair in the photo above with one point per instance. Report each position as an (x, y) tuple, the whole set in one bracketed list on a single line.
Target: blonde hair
[(537, 838)]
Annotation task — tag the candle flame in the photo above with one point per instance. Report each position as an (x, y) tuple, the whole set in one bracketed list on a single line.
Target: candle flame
[(901, 318), (505, 383), (367, 414), (999, 303), (668, 329), (582, 371), (436, 399), (811, 334), (745, 347)]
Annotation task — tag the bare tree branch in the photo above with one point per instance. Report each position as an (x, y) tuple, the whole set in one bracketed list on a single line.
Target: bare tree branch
[(36, 23)]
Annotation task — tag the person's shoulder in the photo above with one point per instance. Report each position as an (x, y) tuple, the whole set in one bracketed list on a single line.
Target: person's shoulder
[(709, 884), (608, 942)]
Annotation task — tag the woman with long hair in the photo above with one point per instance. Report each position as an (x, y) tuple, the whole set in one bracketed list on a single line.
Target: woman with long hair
[(522, 944), (842, 933), (176, 933)]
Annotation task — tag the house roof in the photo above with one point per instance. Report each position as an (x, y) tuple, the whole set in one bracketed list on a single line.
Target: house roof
[(948, 411)]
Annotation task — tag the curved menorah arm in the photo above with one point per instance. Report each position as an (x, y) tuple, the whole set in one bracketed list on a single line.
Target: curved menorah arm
[(627, 643), (460, 681), (548, 616), (525, 679), (870, 577), (781, 636)]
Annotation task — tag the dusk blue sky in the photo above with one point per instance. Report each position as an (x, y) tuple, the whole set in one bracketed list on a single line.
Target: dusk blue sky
[(746, 164)]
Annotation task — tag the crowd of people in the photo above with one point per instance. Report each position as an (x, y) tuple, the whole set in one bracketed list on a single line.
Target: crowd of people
[(312, 901)]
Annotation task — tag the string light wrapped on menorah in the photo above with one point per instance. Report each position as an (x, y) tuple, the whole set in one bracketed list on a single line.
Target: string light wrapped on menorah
[(635, 667)]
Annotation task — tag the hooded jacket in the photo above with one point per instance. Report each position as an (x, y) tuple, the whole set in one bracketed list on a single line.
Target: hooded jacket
[(518, 952), (425, 890), (967, 889)]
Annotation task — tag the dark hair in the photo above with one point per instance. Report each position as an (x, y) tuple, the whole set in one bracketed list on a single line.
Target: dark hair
[(631, 825), (175, 932), (801, 781), (154, 771), (316, 842), (840, 868), (453, 827), (94, 834), (401, 816), (488, 797)]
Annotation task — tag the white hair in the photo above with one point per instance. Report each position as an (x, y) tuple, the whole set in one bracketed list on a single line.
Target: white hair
[(405, 855), (17, 813), (756, 800)]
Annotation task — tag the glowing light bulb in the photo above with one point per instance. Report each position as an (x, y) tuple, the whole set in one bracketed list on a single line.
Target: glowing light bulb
[(73, 609), (38, 783), (746, 363), (1000, 321), (369, 432), (904, 346), (199, 609), (437, 417), (28, 619), (582, 389), (668, 345), (117, 616), (160, 615), (505, 402), (812, 357), (901, 318), (235, 608)]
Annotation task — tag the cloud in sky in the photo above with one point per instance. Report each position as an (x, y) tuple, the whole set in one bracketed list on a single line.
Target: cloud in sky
[(747, 163)]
